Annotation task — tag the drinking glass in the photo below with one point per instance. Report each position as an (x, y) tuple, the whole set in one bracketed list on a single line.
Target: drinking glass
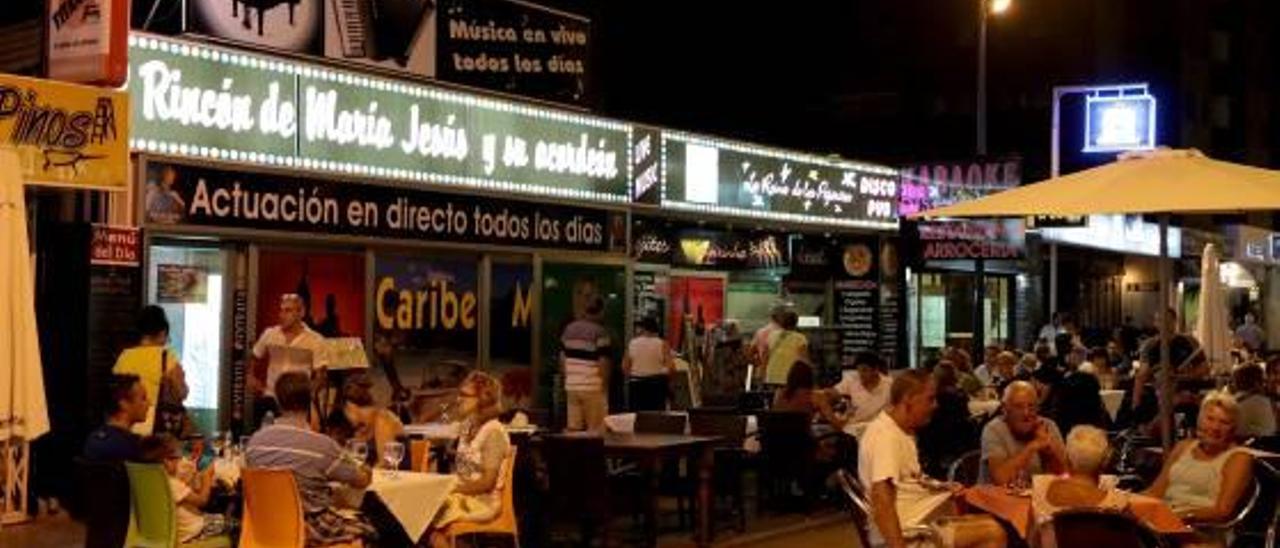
[(393, 453), (359, 450), (220, 444)]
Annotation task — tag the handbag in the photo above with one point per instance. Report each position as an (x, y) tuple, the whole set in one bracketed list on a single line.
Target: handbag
[(171, 414)]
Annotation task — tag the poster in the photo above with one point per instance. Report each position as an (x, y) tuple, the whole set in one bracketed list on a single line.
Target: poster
[(933, 321), (425, 323), (331, 286), (695, 298), (651, 290), (176, 283), (289, 25), (392, 34), (857, 296), (511, 330), (567, 288)]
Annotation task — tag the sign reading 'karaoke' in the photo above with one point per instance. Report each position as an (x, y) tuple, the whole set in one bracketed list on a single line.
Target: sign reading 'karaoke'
[(209, 102)]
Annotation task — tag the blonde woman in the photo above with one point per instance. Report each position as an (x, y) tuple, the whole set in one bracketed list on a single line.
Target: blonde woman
[(1204, 478), (483, 446)]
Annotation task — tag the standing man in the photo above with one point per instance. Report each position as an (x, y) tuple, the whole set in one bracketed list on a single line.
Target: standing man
[(290, 346), (1050, 332), (1253, 336), (585, 361), (1020, 443), (889, 470)]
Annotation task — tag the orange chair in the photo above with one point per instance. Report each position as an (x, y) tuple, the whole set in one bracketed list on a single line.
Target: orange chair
[(505, 523), (419, 455), (273, 511)]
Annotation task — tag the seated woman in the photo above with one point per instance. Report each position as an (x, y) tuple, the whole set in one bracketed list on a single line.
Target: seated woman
[(1204, 478), (483, 446), (362, 419), (1257, 413), (1087, 451), (798, 394)]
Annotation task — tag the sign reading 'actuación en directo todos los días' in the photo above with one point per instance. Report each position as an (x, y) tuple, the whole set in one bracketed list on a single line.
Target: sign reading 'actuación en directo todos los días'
[(216, 103), (710, 176)]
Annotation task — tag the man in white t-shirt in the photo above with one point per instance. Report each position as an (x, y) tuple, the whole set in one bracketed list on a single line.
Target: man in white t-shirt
[(867, 389), (889, 470), (289, 346)]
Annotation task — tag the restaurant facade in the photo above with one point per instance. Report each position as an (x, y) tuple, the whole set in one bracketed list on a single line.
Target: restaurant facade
[(432, 230)]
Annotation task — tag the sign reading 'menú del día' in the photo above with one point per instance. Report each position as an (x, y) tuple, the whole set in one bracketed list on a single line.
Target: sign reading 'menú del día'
[(209, 102), (711, 176)]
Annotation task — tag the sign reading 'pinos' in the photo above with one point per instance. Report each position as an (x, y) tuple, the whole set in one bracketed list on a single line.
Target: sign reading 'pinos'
[(65, 134)]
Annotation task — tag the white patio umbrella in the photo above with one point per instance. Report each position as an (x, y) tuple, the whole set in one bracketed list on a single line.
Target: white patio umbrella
[(1162, 182), (1211, 323), (23, 411)]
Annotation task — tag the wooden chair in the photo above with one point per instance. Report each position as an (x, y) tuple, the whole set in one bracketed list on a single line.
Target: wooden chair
[(578, 484), (729, 456), (273, 515), (505, 523), (658, 422), (787, 455)]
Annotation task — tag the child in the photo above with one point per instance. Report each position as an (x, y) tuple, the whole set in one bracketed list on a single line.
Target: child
[(188, 498)]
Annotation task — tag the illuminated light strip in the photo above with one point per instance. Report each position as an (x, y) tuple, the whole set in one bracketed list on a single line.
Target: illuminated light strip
[(746, 148), (778, 216)]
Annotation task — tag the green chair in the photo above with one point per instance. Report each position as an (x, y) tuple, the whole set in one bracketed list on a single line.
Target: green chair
[(155, 519)]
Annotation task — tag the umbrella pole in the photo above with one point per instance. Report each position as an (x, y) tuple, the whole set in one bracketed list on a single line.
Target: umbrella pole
[(1165, 378)]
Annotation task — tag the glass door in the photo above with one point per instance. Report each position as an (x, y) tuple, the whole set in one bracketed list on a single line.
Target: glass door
[(189, 282)]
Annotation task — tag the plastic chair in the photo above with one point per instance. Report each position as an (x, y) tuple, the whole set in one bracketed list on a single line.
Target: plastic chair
[(102, 502), (505, 523), (155, 517), (419, 455), (273, 515), (1093, 527)]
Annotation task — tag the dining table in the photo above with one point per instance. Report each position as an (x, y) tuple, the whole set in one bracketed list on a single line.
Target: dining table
[(1014, 507), (412, 498), (650, 451)]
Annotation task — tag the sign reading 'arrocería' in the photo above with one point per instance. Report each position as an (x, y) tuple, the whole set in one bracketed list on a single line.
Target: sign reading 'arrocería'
[(65, 135), (208, 102)]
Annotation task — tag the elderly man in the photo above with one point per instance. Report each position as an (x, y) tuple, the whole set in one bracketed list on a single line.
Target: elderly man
[(889, 468), (1020, 443), (291, 346)]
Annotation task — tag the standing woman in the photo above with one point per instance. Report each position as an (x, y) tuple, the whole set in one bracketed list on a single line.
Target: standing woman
[(152, 360), (649, 367)]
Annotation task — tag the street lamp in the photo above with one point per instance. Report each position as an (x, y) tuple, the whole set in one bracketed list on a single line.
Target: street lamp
[(986, 8)]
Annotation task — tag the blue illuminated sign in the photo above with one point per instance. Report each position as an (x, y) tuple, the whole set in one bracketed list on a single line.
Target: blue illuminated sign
[(1115, 123)]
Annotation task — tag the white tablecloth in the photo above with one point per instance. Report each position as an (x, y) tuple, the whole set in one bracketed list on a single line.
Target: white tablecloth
[(434, 430), (412, 497), (978, 408), (625, 423), (1111, 399)]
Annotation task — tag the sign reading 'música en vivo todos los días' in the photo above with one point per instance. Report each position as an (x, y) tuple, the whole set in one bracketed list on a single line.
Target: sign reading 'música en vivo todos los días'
[(215, 103)]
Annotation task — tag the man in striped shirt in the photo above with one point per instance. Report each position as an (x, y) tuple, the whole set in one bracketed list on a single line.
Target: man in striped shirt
[(315, 460), (585, 358)]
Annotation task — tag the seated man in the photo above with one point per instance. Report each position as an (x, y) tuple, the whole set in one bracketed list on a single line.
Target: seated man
[(889, 468), (315, 461), (1020, 443), (115, 441), (868, 390)]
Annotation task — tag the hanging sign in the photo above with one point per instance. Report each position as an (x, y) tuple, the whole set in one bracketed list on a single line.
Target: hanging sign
[(66, 134), (1115, 123), (87, 41), (115, 246), (225, 105)]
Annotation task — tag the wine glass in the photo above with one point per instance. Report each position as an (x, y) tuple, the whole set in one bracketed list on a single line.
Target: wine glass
[(393, 453), (359, 450), (220, 444)]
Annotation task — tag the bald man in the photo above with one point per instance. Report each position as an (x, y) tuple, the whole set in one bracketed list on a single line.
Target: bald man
[(1020, 443), (289, 346)]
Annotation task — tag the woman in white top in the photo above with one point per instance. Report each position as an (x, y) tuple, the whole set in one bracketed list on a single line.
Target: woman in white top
[(1204, 478), (1087, 450), (648, 366), (482, 448)]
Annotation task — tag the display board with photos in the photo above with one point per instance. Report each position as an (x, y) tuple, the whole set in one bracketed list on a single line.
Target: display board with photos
[(711, 176), (216, 103)]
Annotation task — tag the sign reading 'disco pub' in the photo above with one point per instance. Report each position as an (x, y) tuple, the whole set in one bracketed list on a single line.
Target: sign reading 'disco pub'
[(201, 101), (707, 176)]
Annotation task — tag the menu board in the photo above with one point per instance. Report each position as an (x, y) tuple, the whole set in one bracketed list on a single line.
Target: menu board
[(856, 315), (114, 294), (650, 298), (890, 314)]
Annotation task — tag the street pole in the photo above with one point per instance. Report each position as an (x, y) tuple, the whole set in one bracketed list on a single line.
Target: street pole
[(982, 78)]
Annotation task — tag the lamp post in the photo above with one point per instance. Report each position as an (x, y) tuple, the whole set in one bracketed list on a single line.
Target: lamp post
[(986, 8)]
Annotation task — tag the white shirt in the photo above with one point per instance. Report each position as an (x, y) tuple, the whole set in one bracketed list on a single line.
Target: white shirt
[(866, 403), (983, 372), (189, 522), (886, 452), (304, 353), (647, 356), (1049, 333)]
